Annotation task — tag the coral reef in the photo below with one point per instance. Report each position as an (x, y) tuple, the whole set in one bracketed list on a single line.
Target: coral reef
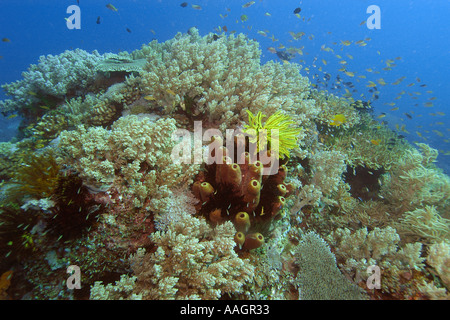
[(103, 176), (37, 177), (439, 258), (356, 251), (425, 223)]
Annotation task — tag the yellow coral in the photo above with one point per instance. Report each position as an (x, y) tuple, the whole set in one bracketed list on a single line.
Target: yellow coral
[(262, 134)]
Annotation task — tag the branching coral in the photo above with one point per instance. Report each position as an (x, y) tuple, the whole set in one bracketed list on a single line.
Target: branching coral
[(135, 155), (330, 106), (121, 290), (222, 77), (367, 144), (53, 76), (192, 261), (425, 223), (439, 258), (327, 168)]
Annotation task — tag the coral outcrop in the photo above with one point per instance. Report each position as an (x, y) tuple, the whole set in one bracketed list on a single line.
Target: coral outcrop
[(134, 156), (240, 190), (192, 261)]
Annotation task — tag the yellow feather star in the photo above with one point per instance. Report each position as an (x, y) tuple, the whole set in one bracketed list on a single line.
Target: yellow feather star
[(287, 135)]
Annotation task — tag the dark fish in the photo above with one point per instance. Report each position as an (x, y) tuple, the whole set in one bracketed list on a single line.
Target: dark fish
[(184, 4), (400, 136), (215, 37), (327, 76), (283, 55), (297, 10), (129, 31), (6, 40), (98, 20), (408, 115), (423, 85)]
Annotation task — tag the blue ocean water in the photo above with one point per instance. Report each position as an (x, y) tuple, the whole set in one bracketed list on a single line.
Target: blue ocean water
[(412, 42)]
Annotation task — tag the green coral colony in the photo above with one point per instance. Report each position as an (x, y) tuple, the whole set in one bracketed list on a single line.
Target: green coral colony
[(91, 181)]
